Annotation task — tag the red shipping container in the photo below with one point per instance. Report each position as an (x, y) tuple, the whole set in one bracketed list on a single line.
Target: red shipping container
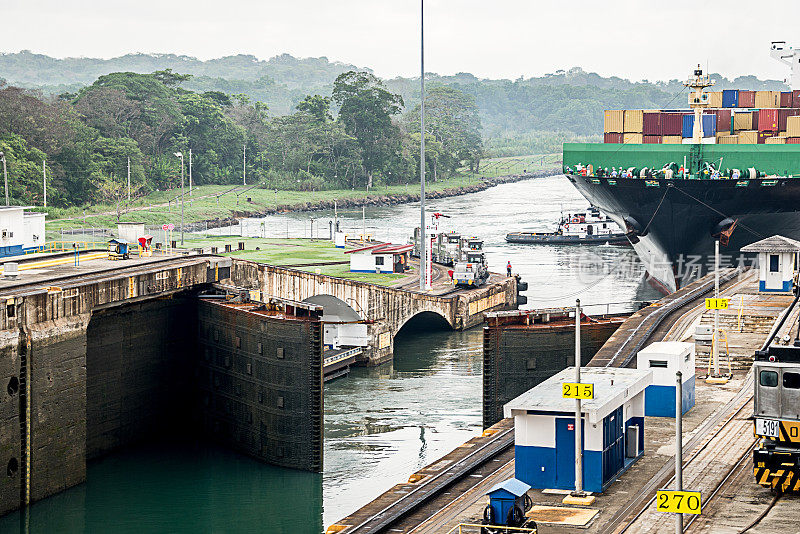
[(768, 120), (612, 138), (784, 114), (796, 98), (786, 99), (671, 123), (723, 120), (762, 136), (747, 99), (793, 140), (651, 140), (651, 123)]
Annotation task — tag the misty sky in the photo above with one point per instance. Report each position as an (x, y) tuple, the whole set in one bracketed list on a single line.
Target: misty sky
[(629, 38)]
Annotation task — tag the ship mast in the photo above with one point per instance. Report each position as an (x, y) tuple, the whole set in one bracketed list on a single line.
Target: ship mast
[(788, 56), (698, 100)]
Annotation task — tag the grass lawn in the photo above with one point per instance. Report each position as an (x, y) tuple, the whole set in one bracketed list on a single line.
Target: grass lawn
[(288, 252)]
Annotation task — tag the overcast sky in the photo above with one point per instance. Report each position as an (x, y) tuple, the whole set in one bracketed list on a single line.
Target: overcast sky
[(490, 38)]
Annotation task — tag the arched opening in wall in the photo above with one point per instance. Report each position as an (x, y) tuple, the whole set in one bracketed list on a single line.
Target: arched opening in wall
[(416, 343), (426, 321)]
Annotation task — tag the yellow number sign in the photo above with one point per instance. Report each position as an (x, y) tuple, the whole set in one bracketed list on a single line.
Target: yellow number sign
[(717, 304), (577, 391), (678, 502)]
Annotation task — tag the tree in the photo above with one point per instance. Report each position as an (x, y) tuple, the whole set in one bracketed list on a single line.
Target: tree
[(366, 109), (317, 106), (169, 78)]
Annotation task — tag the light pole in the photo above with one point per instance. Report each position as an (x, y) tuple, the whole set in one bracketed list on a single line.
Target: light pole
[(5, 175), (180, 155), (44, 181), (190, 173), (423, 249), (244, 165)]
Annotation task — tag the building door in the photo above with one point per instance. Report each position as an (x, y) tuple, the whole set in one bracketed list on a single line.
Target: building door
[(613, 444), (774, 278), (565, 452), (589, 230)]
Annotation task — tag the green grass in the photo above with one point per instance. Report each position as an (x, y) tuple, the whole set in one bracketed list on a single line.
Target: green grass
[(289, 252), (494, 167)]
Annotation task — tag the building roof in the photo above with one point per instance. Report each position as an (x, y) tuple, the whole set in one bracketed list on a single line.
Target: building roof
[(382, 248), (612, 387), (776, 243), (673, 348), (512, 485)]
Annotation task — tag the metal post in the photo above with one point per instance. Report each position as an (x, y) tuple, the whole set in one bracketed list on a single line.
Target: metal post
[(678, 445), (190, 172), (5, 175), (363, 225), (578, 436), (423, 252), (44, 182), (715, 337), (182, 202), (244, 165), (335, 216), (129, 180)]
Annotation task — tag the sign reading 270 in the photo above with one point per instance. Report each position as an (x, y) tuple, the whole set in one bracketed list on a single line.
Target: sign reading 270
[(678, 502), (577, 391)]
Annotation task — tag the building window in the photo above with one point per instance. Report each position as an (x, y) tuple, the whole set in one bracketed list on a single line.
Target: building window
[(768, 379), (280, 353), (774, 262), (791, 380), (659, 363), (280, 402), (379, 260)]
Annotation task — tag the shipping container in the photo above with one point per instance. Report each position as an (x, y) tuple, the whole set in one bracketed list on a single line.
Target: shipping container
[(688, 125), (613, 120), (768, 120), (742, 120), (633, 121), (715, 99), (747, 99), (762, 137), (730, 98), (651, 139), (612, 137), (709, 125), (632, 138), (671, 140), (651, 123), (671, 123), (728, 140), (793, 126), (786, 99), (723, 120), (796, 98), (775, 140), (783, 116), (748, 137), (793, 140), (768, 99)]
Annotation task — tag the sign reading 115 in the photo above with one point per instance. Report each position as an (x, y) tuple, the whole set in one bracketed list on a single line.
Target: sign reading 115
[(577, 391)]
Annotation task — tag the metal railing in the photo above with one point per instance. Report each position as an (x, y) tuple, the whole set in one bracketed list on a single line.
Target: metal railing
[(459, 528), (343, 356)]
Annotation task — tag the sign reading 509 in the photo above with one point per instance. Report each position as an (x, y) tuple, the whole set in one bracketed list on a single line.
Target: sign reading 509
[(577, 391), (678, 502)]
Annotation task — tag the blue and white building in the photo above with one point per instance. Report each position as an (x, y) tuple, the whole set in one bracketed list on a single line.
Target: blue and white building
[(613, 428), (777, 263), (664, 359)]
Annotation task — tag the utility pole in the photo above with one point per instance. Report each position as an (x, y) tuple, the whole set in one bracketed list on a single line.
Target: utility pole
[(423, 245), (715, 337), (180, 155), (244, 165), (578, 436), (44, 181), (678, 445), (5, 175), (190, 172), (129, 180)]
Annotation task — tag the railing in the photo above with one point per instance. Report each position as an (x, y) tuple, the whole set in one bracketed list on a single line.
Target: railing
[(63, 246), (459, 528), (343, 356)]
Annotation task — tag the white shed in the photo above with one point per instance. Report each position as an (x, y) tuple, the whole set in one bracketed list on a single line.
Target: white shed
[(130, 231), (379, 258), (665, 359), (777, 262)]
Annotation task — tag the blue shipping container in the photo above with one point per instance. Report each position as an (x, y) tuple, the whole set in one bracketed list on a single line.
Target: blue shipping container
[(709, 125), (730, 98)]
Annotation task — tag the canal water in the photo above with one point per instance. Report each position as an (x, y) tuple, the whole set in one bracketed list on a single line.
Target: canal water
[(381, 424)]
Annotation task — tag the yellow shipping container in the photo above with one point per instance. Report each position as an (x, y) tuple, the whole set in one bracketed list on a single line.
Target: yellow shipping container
[(634, 121), (775, 141), (748, 137), (613, 121), (728, 139), (715, 99), (671, 140), (793, 126), (768, 99), (742, 121), (632, 138)]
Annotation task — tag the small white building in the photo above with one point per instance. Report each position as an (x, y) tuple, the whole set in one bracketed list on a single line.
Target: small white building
[(777, 263), (379, 258), (130, 231), (613, 428), (20, 231), (665, 359)]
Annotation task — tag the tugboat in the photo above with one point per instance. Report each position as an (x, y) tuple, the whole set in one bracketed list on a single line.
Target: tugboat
[(589, 228)]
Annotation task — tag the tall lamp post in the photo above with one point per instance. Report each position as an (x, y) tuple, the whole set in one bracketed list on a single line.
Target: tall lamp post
[(423, 247), (180, 155), (5, 174)]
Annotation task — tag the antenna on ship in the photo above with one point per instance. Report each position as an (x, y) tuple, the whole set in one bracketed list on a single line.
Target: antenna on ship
[(698, 100), (789, 56)]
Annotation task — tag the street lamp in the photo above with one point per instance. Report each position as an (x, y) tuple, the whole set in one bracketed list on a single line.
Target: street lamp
[(5, 175), (180, 155)]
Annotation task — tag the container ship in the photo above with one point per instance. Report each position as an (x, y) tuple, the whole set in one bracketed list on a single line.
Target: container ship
[(726, 168)]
